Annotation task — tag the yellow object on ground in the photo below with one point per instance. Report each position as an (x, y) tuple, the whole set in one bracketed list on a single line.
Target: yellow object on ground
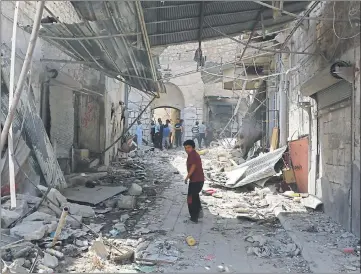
[(190, 241), (202, 152)]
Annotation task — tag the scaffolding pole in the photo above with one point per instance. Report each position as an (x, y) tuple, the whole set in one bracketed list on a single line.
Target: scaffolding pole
[(24, 71), (11, 94)]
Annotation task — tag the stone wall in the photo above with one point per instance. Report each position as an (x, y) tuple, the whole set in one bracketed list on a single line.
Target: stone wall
[(339, 180), (137, 101), (179, 60)]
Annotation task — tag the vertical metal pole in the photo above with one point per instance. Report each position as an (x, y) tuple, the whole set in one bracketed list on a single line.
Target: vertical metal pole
[(11, 94), (283, 107)]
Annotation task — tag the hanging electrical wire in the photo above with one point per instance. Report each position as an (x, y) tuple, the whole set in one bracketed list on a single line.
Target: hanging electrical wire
[(333, 24)]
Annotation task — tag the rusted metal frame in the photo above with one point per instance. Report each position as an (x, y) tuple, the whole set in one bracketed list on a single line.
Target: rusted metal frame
[(80, 42), (75, 51), (81, 57), (298, 16), (147, 44), (114, 42), (240, 13), (105, 50), (130, 52), (89, 37), (251, 46)]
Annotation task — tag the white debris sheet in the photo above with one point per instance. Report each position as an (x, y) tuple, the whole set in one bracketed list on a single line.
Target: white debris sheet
[(92, 196), (254, 170)]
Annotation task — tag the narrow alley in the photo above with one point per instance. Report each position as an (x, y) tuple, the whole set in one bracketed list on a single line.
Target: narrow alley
[(107, 107)]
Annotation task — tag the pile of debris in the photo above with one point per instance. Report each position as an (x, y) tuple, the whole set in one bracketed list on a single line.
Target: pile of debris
[(38, 236)]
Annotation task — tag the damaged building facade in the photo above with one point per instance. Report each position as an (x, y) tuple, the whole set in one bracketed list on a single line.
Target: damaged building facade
[(276, 84)]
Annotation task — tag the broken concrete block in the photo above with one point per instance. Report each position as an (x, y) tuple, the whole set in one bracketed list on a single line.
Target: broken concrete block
[(52, 226), (122, 255), (100, 249), (47, 210), (81, 180), (74, 223), (81, 210), (16, 267), (55, 253), (30, 231), (39, 216), (94, 163), (8, 217), (28, 198), (23, 252), (135, 190), (54, 195), (120, 227), (102, 169), (21, 206), (126, 202), (50, 260), (124, 217)]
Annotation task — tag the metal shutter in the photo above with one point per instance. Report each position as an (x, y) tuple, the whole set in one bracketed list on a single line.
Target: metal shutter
[(336, 93)]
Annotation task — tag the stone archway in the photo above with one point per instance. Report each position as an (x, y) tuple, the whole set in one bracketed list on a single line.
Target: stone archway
[(173, 98)]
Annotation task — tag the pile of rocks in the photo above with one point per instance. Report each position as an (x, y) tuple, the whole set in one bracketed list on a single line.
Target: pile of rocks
[(29, 241)]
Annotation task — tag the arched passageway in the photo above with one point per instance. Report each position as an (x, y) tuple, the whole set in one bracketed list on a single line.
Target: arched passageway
[(173, 98)]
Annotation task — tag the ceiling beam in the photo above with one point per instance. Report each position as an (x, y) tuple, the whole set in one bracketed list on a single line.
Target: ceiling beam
[(201, 22)]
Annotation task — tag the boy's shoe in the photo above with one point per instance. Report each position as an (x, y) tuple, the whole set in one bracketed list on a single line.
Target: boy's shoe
[(194, 220)]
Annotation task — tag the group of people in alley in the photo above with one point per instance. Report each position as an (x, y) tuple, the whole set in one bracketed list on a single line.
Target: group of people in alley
[(161, 135), (168, 135)]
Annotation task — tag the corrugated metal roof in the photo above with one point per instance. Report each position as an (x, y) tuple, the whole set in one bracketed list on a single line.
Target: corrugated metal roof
[(167, 22), (178, 22)]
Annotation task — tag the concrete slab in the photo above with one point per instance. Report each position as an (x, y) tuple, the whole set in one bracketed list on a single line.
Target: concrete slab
[(92, 196)]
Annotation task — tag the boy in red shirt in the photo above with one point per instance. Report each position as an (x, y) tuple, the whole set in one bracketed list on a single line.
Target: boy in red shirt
[(196, 180)]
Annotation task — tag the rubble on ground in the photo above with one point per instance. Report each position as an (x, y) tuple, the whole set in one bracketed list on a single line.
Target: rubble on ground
[(77, 237), (107, 236)]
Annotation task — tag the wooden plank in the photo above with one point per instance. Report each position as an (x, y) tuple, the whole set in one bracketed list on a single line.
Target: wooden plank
[(274, 139)]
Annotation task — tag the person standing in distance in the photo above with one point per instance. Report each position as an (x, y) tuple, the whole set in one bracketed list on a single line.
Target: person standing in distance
[(195, 133), (202, 135), (178, 133), (139, 132), (195, 177)]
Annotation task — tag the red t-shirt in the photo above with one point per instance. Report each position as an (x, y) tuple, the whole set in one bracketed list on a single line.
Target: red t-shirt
[(195, 159)]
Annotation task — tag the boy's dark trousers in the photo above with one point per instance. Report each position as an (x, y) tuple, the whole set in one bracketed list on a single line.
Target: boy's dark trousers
[(193, 199)]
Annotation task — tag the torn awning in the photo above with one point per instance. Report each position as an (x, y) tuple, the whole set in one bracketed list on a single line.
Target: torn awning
[(107, 40)]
